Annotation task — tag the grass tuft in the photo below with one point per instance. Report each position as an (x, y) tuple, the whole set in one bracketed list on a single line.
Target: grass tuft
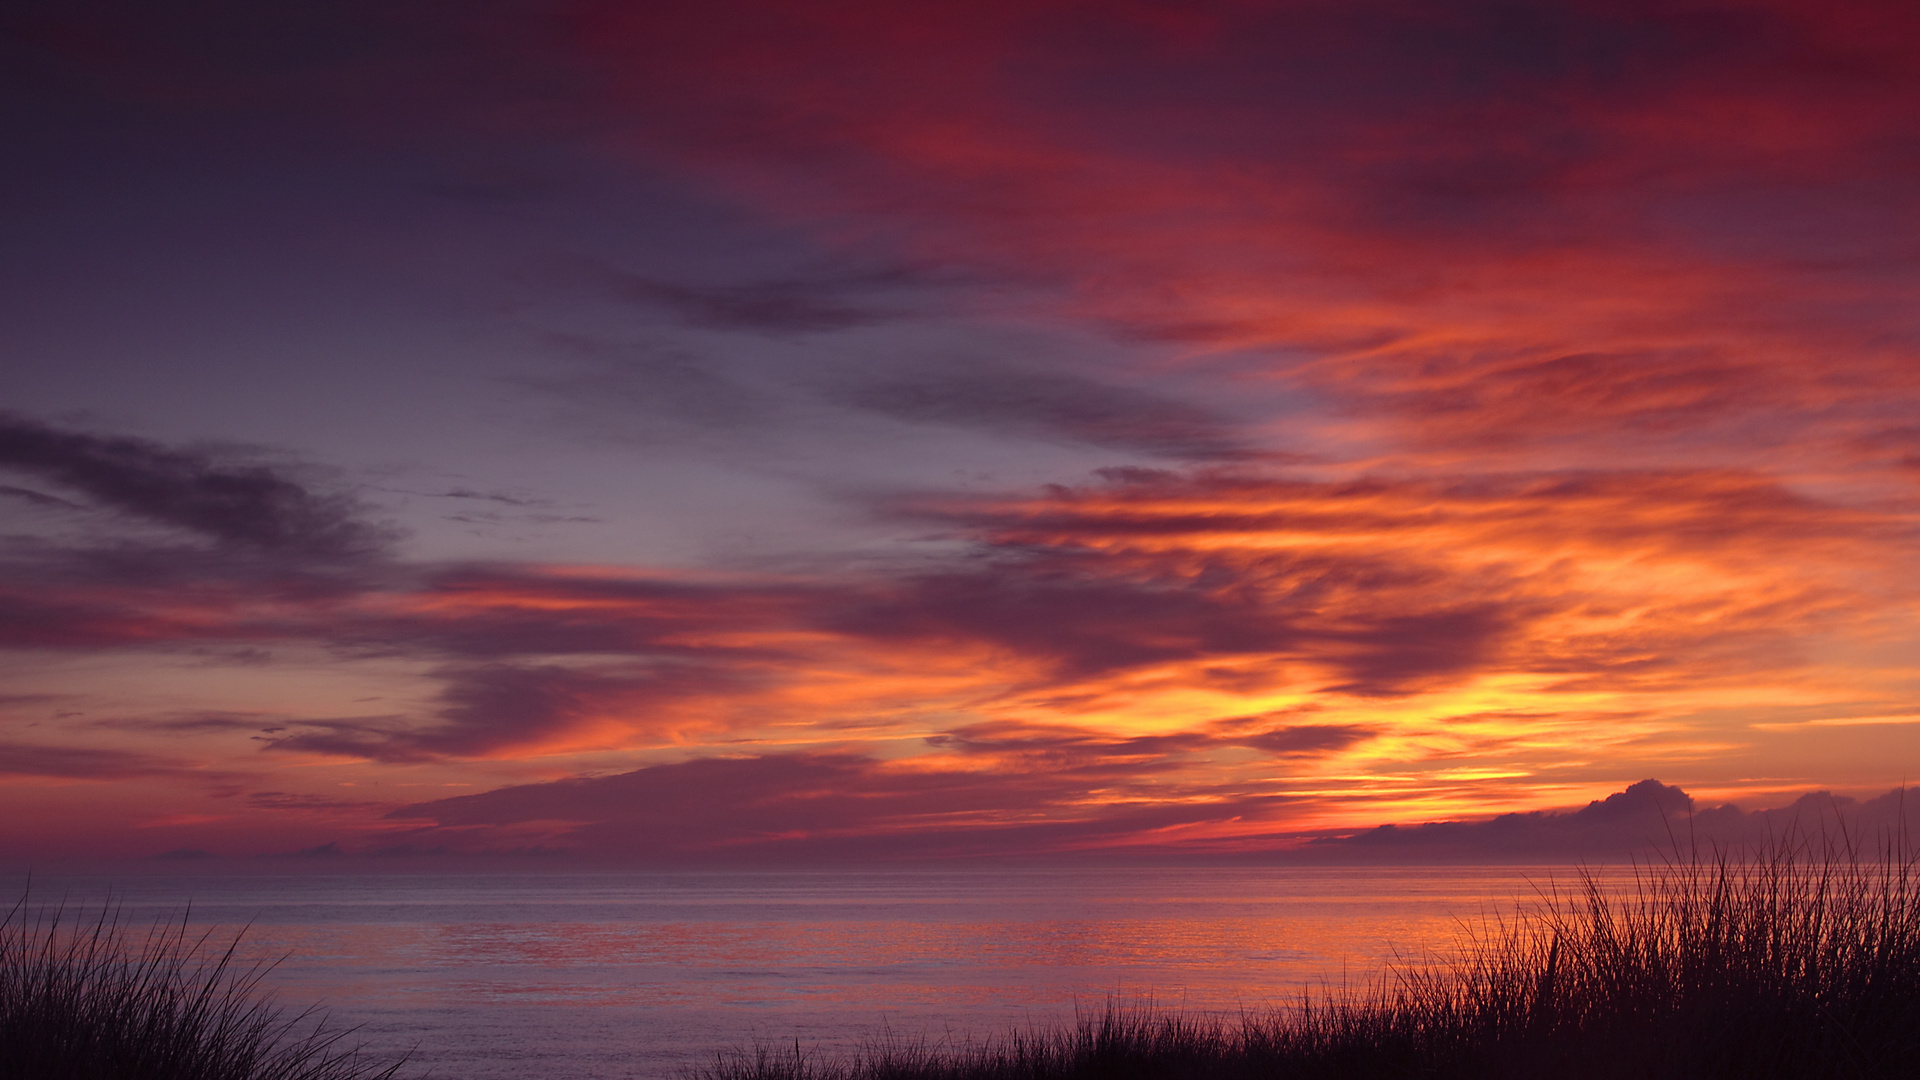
[(1776, 966), (84, 999)]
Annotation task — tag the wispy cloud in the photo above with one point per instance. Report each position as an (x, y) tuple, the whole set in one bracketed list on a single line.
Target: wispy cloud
[(1057, 406), (791, 306), (21, 759), (1165, 599), (1591, 325), (237, 506)]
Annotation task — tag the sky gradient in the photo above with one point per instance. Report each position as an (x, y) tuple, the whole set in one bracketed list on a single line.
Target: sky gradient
[(872, 430)]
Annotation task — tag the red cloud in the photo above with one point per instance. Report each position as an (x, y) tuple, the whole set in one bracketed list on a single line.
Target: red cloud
[(1231, 585), (1610, 228), (1593, 322)]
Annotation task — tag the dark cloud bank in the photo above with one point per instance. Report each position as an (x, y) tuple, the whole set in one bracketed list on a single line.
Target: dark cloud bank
[(805, 807), (189, 550), (235, 506), (1058, 582), (1073, 587)]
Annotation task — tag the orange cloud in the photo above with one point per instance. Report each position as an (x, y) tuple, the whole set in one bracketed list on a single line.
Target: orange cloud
[(1590, 327), (1222, 652)]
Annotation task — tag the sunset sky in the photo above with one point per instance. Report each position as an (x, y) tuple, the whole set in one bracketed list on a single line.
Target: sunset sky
[(746, 430)]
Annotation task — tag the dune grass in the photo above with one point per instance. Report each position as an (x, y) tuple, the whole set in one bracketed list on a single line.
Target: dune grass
[(85, 999), (1776, 966)]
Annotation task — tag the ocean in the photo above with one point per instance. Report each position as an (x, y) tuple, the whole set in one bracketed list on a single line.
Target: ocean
[(593, 976)]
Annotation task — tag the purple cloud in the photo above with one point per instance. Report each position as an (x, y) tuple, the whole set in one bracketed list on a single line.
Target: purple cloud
[(242, 507)]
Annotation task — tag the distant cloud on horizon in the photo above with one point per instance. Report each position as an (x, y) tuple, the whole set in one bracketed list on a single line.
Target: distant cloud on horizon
[(840, 807), (1646, 821)]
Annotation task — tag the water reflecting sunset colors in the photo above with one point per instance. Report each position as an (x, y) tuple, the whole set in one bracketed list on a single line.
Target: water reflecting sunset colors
[(575, 976)]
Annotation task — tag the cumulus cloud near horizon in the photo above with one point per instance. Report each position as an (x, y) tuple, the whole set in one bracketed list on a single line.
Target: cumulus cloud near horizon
[(1648, 819)]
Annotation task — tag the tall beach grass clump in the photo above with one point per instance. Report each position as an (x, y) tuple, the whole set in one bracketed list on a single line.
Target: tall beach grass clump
[(85, 999), (1775, 966)]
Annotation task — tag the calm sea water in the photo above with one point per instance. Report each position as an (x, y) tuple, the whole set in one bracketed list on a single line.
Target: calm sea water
[(582, 976)]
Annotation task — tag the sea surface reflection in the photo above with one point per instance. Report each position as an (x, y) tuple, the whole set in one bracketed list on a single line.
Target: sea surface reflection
[(571, 976)]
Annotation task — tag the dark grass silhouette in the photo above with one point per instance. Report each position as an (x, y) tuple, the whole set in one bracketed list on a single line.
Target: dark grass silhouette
[(87, 1000), (1775, 966)]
